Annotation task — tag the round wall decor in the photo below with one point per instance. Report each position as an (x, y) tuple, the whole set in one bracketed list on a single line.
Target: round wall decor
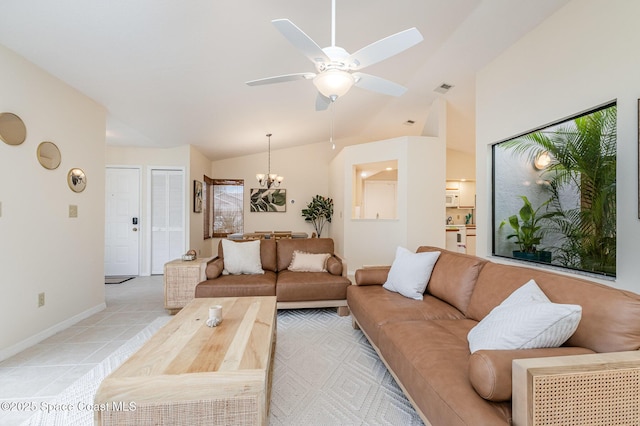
[(49, 155), (77, 180), (12, 129)]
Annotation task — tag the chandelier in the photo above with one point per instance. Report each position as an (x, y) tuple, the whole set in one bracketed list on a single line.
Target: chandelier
[(270, 179)]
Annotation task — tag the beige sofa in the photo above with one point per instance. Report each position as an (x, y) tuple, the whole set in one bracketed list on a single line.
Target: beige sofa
[(424, 344), (293, 289)]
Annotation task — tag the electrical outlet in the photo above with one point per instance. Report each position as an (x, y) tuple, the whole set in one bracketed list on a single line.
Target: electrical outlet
[(73, 210), (40, 300)]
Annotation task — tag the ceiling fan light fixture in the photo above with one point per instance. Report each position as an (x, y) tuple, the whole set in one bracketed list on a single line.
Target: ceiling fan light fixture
[(333, 83)]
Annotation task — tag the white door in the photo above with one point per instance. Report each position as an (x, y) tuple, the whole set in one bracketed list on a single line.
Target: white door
[(122, 235), (380, 199), (167, 217)]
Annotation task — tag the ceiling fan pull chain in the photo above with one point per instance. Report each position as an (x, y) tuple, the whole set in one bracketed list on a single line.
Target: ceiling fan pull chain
[(333, 107)]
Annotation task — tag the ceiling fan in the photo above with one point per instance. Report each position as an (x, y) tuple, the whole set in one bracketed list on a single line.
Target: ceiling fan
[(337, 70)]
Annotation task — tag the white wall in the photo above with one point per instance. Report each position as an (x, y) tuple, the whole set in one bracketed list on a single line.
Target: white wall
[(41, 248), (306, 173), (460, 165), (421, 190), (199, 166), (583, 56)]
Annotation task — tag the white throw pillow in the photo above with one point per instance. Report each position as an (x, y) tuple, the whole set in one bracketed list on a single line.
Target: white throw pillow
[(308, 262), (241, 258), (528, 293), (410, 272), (525, 320)]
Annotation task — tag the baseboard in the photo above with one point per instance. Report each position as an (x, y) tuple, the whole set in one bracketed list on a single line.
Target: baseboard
[(44, 334)]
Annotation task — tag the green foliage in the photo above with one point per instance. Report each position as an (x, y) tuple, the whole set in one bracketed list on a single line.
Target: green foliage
[(527, 229), (319, 211)]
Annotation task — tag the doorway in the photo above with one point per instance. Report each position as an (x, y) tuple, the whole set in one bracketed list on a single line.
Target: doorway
[(380, 199), (167, 217), (122, 213)]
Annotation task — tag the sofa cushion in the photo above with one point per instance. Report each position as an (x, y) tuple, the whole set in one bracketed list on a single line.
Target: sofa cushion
[(286, 247), (267, 253), (238, 286), (373, 306), (490, 371), (609, 316), (308, 262), (434, 371), (241, 258), (454, 277), (295, 286), (525, 320), (410, 273)]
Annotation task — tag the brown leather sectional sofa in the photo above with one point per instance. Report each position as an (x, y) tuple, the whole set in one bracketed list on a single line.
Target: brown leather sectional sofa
[(293, 289), (424, 343)]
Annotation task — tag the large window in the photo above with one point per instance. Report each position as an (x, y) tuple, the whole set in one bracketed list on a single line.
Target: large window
[(224, 210), (554, 194)]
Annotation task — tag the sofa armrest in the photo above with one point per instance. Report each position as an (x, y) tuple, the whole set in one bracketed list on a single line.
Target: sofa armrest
[(576, 389), (341, 265), (214, 268), (490, 370), (376, 275)]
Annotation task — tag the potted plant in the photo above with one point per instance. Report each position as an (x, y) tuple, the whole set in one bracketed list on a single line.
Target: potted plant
[(528, 232), (318, 212)]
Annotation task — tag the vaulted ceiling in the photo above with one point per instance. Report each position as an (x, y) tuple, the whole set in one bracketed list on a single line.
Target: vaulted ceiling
[(172, 72)]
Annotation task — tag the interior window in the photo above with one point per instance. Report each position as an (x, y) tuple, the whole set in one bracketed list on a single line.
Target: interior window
[(375, 192), (554, 194)]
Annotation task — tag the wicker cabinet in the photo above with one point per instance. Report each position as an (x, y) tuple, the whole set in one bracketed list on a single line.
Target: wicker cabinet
[(180, 280)]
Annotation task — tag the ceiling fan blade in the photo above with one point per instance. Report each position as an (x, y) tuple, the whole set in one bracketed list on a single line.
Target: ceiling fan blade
[(301, 41), (322, 102), (385, 48), (377, 84), (282, 78)]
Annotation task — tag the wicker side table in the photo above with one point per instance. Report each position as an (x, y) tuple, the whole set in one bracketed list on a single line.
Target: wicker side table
[(180, 280)]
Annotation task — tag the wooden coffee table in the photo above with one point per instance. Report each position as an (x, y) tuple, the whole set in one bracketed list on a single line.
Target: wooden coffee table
[(192, 374)]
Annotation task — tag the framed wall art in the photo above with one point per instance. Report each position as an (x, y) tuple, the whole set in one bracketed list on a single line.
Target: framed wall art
[(268, 200), (197, 196)]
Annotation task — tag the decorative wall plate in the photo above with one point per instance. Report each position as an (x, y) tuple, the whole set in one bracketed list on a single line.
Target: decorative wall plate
[(12, 129), (77, 180), (49, 155)]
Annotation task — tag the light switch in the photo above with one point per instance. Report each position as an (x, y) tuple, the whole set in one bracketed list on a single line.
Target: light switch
[(0, 209), (73, 210)]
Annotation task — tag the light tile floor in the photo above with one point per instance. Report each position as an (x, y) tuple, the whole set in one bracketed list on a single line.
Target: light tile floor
[(47, 368)]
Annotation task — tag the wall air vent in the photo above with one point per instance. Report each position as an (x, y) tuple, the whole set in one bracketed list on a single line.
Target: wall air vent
[(443, 88)]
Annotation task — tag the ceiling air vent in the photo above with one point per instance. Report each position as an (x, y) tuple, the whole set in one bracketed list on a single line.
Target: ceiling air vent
[(443, 88)]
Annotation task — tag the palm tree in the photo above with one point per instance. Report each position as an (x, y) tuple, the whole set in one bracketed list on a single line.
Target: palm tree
[(583, 157)]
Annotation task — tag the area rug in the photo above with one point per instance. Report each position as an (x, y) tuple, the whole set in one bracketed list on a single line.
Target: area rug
[(325, 373), (117, 279)]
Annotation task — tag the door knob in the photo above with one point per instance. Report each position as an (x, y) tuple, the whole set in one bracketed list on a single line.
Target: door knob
[(135, 229)]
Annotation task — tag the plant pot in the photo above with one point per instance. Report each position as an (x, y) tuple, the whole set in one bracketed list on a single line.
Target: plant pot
[(544, 256), (537, 256)]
